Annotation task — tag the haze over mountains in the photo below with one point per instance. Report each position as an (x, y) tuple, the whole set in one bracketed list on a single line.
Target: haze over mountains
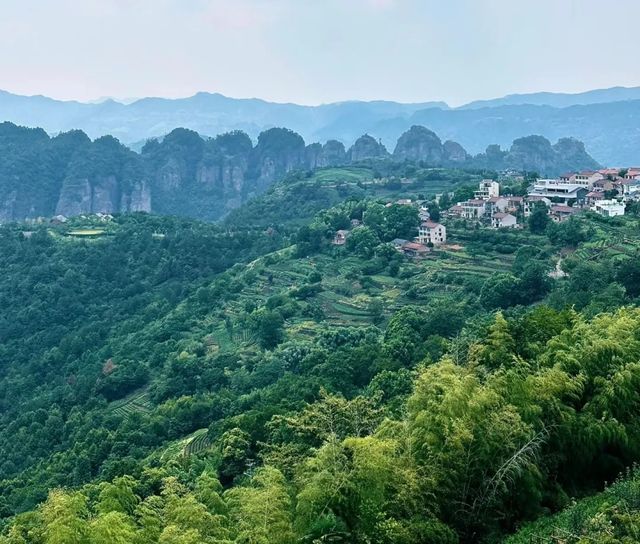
[(606, 120)]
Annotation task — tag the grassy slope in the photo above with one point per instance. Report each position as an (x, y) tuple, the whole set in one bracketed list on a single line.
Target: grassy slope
[(604, 517)]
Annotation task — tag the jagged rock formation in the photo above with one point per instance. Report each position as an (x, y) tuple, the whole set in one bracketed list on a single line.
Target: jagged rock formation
[(419, 144), (571, 152), (535, 153), (331, 153), (454, 152), (185, 174), (104, 176), (279, 150), (367, 147)]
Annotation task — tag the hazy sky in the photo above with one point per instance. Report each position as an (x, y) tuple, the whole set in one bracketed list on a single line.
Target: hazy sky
[(312, 51)]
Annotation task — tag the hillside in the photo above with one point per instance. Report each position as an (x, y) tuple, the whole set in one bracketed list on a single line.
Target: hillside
[(175, 377), (611, 516), (605, 120), (187, 175)]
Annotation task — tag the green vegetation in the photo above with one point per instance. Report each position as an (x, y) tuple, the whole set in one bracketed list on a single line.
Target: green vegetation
[(300, 196), (178, 382)]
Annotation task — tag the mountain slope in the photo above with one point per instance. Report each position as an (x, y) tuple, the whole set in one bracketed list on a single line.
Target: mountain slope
[(156, 392), (208, 114), (560, 100), (610, 131)]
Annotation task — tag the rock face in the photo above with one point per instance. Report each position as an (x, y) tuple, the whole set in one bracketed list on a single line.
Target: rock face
[(454, 152), (536, 154), (103, 176), (331, 153), (207, 178), (279, 151), (367, 147), (184, 174), (571, 152), (419, 144)]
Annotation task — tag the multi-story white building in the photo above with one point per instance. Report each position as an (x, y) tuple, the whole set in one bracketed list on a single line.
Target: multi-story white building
[(497, 204), (566, 192), (609, 208), (487, 188), (432, 232), (473, 209)]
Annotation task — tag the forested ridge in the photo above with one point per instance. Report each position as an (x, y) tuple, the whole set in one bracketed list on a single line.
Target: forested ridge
[(169, 381), (188, 175)]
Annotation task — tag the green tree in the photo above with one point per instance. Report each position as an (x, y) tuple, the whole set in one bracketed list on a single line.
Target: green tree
[(268, 325), (500, 291), (363, 241), (65, 518), (111, 528), (539, 218), (261, 512)]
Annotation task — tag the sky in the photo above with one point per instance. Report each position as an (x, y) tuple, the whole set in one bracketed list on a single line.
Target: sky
[(317, 51)]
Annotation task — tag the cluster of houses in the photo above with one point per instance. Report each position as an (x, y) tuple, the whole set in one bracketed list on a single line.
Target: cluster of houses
[(604, 192), (488, 205), (430, 233)]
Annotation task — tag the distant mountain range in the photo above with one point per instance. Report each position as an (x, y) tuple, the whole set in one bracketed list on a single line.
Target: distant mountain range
[(607, 120)]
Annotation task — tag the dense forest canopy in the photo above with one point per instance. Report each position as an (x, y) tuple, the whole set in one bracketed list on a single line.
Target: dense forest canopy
[(170, 381)]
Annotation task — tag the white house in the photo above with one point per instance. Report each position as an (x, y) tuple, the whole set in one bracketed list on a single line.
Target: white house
[(432, 232), (487, 188), (566, 192), (609, 208), (473, 209), (501, 220)]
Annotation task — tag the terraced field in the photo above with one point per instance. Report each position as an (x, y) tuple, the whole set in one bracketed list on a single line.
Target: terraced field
[(136, 402), (199, 442)]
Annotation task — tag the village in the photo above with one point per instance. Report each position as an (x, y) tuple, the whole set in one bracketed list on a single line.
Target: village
[(605, 192)]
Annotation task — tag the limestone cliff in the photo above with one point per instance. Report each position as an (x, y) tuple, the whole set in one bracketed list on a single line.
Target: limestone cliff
[(186, 174), (420, 144), (367, 147), (105, 177)]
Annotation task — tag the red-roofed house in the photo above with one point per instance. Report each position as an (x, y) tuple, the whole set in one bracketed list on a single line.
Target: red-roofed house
[(413, 249), (587, 178), (497, 204), (340, 237), (632, 173), (455, 211)]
